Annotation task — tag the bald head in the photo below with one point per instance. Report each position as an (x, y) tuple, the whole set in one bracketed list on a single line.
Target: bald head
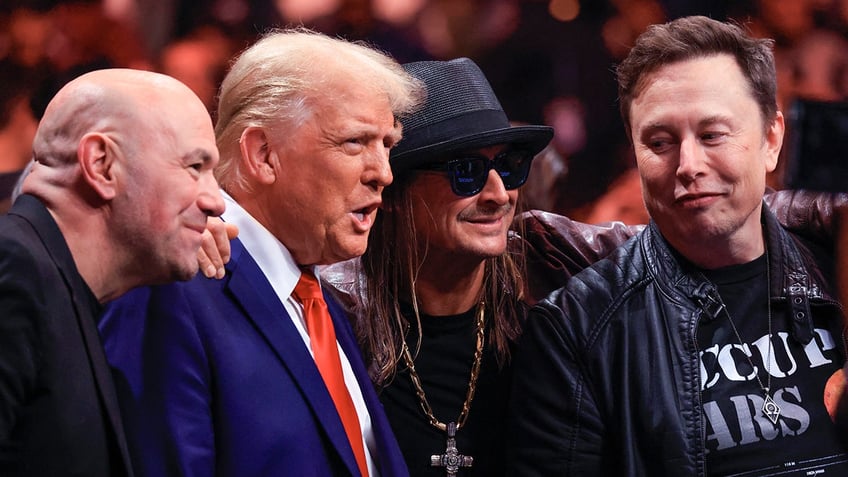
[(123, 161), (117, 102)]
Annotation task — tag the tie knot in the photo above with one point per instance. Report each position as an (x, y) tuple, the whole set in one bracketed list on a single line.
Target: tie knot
[(307, 287)]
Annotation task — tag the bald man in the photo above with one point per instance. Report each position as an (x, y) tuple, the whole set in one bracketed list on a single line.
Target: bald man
[(118, 197)]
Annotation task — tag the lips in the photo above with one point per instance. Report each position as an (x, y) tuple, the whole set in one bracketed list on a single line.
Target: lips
[(198, 227), (484, 220), (486, 215), (487, 225), (697, 199), (364, 217)]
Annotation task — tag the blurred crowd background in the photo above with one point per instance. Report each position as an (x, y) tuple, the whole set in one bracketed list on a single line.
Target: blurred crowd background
[(549, 61)]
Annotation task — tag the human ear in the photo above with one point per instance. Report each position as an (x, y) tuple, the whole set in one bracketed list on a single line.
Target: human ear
[(97, 160), (256, 155), (773, 141)]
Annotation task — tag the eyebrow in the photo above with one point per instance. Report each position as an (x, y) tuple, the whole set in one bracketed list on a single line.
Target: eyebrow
[(714, 119), (199, 153), (664, 126), (652, 128), (397, 132)]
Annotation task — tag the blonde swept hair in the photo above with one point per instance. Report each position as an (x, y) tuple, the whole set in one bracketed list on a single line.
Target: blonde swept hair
[(273, 81)]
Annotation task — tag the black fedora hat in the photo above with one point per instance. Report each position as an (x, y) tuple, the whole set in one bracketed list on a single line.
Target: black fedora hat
[(461, 113)]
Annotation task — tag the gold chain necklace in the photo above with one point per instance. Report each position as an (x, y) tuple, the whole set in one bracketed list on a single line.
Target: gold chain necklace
[(770, 408), (452, 460)]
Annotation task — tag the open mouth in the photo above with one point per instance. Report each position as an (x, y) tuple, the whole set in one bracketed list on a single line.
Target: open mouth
[(363, 213), (363, 216)]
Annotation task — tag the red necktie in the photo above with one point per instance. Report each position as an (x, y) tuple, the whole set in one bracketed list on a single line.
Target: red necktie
[(322, 336)]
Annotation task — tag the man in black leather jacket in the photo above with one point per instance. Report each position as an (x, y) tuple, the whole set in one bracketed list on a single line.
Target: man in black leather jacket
[(702, 345)]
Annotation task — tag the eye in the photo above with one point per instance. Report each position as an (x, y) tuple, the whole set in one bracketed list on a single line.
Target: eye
[(712, 137), (657, 139), (469, 167), (353, 145), (195, 168), (659, 145), (513, 159)]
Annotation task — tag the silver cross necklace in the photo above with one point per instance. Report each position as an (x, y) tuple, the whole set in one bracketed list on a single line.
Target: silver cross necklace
[(452, 459)]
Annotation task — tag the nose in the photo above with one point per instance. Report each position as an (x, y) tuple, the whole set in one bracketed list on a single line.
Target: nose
[(209, 198), (378, 171), (494, 190), (691, 160)]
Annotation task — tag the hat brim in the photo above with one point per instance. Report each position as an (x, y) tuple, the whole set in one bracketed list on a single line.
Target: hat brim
[(531, 138)]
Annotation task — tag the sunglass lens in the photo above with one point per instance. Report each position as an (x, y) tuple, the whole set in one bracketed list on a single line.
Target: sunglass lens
[(513, 167), (468, 175)]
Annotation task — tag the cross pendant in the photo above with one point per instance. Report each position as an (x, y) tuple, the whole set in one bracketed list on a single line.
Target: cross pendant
[(451, 460)]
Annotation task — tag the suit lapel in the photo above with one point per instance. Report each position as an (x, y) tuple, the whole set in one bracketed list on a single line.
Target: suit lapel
[(103, 378), (250, 289), (390, 460), (55, 245)]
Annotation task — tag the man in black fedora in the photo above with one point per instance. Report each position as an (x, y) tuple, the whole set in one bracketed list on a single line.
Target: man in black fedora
[(437, 295), (441, 293)]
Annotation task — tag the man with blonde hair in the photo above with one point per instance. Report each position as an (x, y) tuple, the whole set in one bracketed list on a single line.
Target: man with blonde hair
[(239, 376), (118, 197)]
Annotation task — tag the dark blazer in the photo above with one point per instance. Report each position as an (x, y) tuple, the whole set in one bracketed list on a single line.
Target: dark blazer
[(58, 409), (214, 379)]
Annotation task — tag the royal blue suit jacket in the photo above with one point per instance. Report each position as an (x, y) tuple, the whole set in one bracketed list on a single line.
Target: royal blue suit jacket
[(214, 379)]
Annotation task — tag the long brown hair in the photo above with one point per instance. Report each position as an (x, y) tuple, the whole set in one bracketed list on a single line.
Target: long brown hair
[(389, 267)]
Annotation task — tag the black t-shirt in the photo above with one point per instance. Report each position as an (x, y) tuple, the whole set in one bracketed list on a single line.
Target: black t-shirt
[(740, 439), (444, 367)]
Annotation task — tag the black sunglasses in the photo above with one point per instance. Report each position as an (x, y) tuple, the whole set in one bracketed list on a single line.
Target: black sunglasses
[(468, 173)]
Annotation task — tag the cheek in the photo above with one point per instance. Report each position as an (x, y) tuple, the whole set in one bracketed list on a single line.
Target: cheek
[(177, 198), (656, 173), (435, 223), (656, 195), (510, 215), (175, 203), (513, 197), (648, 178), (740, 169), (755, 181), (650, 165)]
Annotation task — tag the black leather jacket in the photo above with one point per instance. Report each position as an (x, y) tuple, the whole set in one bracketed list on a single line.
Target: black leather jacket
[(601, 393)]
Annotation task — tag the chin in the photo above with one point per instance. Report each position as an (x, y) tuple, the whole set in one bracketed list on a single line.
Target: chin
[(181, 272), (345, 255), (488, 248), (352, 249), (171, 275), (186, 273)]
